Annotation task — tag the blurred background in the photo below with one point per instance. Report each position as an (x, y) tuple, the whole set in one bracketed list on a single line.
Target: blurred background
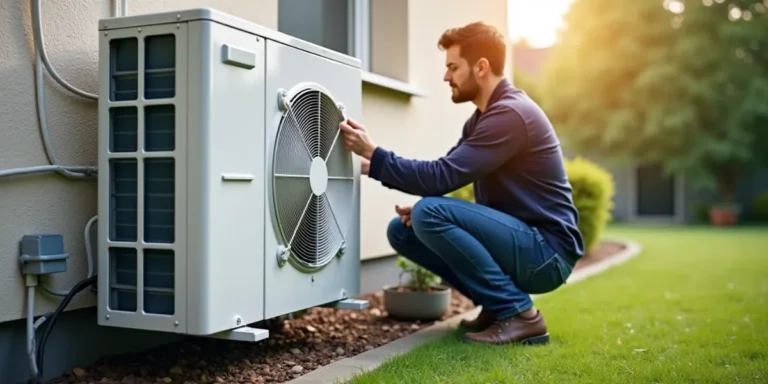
[(669, 96)]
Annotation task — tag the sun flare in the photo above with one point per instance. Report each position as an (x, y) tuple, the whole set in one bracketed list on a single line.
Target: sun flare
[(537, 21)]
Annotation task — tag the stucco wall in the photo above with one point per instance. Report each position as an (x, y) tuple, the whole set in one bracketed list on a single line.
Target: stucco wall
[(422, 128), (412, 126), (48, 202)]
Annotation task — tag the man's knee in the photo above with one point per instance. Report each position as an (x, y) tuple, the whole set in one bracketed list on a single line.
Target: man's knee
[(396, 232), (425, 209)]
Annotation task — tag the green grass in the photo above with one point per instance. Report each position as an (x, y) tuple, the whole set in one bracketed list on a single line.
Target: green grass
[(691, 308)]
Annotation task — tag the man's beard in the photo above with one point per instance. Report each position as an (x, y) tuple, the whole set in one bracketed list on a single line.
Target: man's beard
[(466, 92)]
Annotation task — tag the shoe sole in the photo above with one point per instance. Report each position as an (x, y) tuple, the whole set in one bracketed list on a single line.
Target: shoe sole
[(535, 340)]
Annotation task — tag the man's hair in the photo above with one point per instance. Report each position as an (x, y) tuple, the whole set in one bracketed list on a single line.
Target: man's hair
[(475, 41)]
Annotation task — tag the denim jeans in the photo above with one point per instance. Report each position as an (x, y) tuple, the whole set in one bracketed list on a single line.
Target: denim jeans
[(492, 258)]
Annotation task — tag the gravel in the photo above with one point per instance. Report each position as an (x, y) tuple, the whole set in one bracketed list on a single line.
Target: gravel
[(301, 345)]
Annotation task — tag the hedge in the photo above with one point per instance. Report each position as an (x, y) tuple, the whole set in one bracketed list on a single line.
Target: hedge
[(593, 190)]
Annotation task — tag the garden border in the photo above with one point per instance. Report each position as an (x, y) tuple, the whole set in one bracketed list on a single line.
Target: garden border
[(345, 369)]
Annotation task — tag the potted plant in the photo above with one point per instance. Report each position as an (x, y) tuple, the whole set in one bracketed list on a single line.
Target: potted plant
[(421, 298), (724, 214)]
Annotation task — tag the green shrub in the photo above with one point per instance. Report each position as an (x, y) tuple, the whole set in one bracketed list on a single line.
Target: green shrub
[(760, 207), (593, 190), (700, 212), (466, 192)]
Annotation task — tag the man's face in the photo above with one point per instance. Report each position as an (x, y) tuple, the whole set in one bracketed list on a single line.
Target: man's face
[(460, 76)]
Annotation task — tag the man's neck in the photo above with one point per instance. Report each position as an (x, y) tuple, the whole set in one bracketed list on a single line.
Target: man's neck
[(485, 93)]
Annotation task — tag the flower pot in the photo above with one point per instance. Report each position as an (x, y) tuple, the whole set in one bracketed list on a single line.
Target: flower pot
[(724, 215), (407, 304)]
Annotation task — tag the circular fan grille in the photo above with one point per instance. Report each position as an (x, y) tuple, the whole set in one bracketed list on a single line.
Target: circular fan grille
[(313, 179)]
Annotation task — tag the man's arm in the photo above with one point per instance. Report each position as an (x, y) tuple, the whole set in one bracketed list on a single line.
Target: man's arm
[(500, 133), (461, 140)]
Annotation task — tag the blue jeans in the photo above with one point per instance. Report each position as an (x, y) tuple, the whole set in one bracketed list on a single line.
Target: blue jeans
[(492, 258)]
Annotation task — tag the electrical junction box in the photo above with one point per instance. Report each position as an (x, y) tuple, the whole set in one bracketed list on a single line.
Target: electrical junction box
[(226, 196), (42, 254)]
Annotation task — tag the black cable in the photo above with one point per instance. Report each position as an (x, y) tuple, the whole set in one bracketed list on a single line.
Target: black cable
[(83, 284)]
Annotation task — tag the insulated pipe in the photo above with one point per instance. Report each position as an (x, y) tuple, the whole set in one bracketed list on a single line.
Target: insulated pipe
[(31, 340), (88, 254), (37, 29), (43, 169)]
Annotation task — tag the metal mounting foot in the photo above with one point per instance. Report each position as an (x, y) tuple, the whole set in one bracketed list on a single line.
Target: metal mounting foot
[(246, 334), (352, 304)]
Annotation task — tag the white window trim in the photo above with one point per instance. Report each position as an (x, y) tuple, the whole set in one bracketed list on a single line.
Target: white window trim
[(359, 39)]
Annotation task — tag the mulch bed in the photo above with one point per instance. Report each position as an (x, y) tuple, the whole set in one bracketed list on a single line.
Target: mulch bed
[(603, 250), (318, 338)]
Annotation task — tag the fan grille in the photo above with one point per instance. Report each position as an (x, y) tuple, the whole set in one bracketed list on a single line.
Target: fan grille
[(313, 179)]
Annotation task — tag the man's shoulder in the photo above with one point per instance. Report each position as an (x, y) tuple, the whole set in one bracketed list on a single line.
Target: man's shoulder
[(518, 101)]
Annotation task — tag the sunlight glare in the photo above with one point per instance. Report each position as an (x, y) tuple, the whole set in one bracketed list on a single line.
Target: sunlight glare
[(674, 6), (537, 21)]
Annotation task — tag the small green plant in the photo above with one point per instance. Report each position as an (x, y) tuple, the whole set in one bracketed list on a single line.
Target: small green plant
[(421, 278), (700, 212)]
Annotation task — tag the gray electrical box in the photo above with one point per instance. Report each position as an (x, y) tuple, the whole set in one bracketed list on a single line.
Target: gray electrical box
[(43, 254)]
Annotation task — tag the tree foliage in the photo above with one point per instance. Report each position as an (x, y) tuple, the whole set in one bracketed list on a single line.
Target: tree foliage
[(684, 83)]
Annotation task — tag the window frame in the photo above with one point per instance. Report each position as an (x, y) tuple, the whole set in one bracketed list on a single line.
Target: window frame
[(359, 29)]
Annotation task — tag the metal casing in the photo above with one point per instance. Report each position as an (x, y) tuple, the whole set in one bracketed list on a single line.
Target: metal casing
[(188, 116)]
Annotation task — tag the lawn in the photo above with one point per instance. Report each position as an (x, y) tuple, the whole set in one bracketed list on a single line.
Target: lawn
[(692, 308)]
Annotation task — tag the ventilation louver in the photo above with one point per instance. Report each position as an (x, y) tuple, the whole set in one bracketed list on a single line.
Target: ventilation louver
[(313, 181)]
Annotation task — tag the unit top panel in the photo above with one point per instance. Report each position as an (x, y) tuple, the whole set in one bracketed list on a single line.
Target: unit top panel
[(194, 14)]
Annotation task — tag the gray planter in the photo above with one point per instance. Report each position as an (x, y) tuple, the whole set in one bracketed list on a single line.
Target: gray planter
[(416, 305)]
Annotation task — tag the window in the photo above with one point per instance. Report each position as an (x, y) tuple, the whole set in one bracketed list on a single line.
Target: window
[(340, 25)]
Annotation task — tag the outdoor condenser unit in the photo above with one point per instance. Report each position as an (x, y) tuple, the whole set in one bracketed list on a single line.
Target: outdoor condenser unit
[(226, 195)]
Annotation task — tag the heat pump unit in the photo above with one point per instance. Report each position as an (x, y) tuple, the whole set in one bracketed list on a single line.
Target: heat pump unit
[(226, 195)]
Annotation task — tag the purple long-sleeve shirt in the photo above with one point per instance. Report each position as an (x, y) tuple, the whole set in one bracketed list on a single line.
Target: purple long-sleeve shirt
[(511, 154)]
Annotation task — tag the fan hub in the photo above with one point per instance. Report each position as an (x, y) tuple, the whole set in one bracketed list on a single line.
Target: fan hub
[(318, 176)]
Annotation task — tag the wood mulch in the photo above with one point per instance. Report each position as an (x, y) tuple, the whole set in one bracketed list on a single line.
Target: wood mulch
[(318, 338), (602, 251)]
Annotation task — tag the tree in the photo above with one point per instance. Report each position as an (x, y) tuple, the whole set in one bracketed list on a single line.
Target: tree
[(684, 84)]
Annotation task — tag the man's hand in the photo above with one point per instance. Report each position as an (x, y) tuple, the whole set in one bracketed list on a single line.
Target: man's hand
[(365, 165), (356, 139), (405, 214)]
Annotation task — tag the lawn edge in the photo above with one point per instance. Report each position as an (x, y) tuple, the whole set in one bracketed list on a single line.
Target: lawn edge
[(346, 369), (631, 250)]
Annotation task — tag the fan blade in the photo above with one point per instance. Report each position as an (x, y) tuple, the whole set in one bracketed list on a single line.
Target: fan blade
[(291, 196), (330, 118), (339, 194), (307, 112), (330, 235), (291, 154), (304, 245)]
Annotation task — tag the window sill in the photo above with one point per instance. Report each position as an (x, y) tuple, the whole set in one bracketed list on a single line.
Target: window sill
[(392, 84)]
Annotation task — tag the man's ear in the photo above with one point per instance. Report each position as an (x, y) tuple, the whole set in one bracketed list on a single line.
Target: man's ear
[(482, 67)]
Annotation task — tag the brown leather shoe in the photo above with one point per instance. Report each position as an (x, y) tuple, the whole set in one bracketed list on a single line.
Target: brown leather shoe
[(481, 322), (515, 330)]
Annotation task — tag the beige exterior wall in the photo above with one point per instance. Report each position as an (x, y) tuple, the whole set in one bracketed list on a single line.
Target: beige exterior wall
[(404, 36)]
